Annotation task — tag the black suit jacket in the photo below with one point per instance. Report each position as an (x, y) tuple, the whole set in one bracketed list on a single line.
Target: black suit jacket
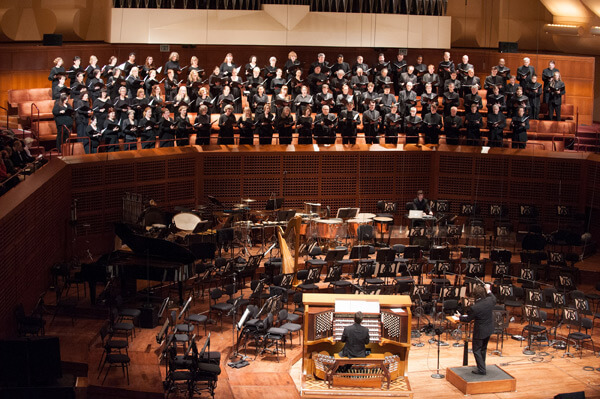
[(356, 337), (482, 313)]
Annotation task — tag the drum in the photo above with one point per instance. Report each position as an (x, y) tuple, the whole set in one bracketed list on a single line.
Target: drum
[(329, 228), (308, 228), (186, 221), (382, 224), (354, 223), (365, 216)]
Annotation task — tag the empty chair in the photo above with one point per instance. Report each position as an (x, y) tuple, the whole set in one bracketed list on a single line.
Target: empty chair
[(573, 320), (287, 324), (109, 344), (534, 328), (220, 308)]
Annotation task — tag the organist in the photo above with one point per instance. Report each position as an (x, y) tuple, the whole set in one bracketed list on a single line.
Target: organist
[(356, 337)]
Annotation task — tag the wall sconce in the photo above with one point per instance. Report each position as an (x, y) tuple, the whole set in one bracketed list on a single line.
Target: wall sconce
[(566, 30)]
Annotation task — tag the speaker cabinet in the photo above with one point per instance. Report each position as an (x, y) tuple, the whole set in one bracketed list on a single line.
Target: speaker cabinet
[(508, 47), (52, 40)]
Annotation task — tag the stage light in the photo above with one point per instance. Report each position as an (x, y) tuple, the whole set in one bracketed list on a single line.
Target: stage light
[(562, 29), (595, 30)]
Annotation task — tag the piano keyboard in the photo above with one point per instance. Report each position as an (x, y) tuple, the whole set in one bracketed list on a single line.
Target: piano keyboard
[(372, 322)]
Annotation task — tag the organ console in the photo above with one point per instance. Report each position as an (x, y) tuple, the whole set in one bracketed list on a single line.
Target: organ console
[(388, 319)]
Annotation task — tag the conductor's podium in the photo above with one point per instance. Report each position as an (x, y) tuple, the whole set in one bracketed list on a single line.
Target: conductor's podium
[(382, 372)]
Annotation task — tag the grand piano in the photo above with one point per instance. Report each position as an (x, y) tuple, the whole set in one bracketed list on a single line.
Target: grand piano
[(148, 258)]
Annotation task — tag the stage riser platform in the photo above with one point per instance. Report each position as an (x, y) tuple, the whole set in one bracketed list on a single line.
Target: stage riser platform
[(496, 380)]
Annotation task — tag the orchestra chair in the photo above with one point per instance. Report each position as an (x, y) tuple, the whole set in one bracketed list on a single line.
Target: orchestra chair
[(286, 281), (314, 253), (559, 303), (220, 308), (502, 233), (527, 278), (298, 304), (334, 278), (365, 234), (274, 336), (257, 295), (28, 325), (564, 282), (476, 232), (115, 359), (534, 327), (313, 276), (285, 323), (501, 322), (511, 296), (110, 345), (127, 314), (501, 272), (180, 375), (573, 320)]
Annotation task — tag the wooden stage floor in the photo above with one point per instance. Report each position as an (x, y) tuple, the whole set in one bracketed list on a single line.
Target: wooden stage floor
[(265, 377)]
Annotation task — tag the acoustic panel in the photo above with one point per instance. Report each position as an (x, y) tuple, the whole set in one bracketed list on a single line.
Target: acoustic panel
[(151, 170), (454, 164), (307, 187), (262, 165), (301, 164), (491, 166), (219, 164), (530, 168), (182, 167)]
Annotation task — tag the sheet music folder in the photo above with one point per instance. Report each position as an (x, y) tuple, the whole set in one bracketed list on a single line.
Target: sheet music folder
[(351, 306), (413, 214)]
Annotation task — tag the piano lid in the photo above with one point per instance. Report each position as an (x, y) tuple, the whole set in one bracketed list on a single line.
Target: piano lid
[(147, 246)]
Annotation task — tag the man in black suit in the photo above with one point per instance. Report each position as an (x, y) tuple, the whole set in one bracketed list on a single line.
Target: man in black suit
[(356, 337), (482, 313)]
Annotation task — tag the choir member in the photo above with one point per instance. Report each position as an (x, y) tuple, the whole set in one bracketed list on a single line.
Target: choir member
[(360, 64), (147, 129), (445, 67), (453, 79), (519, 126), (325, 126), (407, 99), (246, 127), (427, 99), (494, 80), (115, 82), (397, 68), (405, 77), (166, 129), (252, 84), (93, 133), (451, 99), (172, 64), (155, 101), (510, 89), (533, 91), (194, 66), (463, 67), (503, 70), (547, 75), (345, 97), (292, 64), (296, 82), (89, 70), (277, 82), (412, 126), (270, 72), (340, 65), (130, 63), (101, 105), (250, 66), (182, 98), (63, 117), (519, 100), (227, 66), (139, 103), (324, 97), (111, 130), (82, 118), (281, 100), (386, 102), (367, 96), (371, 120), (171, 85), (359, 83), (259, 100), (205, 99), (320, 62), (203, 126), (305, 125), (193, 84), (382, 80), (77, 85), (226, 98), (556, 89), (473, 98), (496, 121), (264, 123), (60, 87), (473, 122), (525, 72), (122, 103), (150, 81), (95, 84), (56, 71), (182, 122), (469, 81), (216, 82), (432, 126), (129, 131), (431, 77), (75, 69), (452, 125), (381, 64), (496, 98), (316, 80), (338, 81), (420, 70), (284, 124), (348, 121), (108, 70), (392, 124), (147, 67)]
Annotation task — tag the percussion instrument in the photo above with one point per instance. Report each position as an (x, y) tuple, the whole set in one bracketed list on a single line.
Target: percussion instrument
[(186, 221), (354, 223), (248, 200), (329, 228), (312, 208), (382, 223), (365, 216), (309, 227)]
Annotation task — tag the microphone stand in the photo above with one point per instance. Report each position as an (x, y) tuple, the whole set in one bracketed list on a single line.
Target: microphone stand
[(421, 312), (438, 331)]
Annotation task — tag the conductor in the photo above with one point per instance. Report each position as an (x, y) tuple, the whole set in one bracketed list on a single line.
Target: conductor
[(356, 337), (482, 313)]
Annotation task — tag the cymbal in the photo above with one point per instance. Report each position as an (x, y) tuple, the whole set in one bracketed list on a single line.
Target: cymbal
[(248, 200), (239, 206)]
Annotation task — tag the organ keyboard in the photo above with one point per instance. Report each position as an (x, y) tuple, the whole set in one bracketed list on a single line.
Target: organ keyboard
[(371, 321)]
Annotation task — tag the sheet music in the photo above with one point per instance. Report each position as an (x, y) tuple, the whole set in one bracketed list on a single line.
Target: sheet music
[(352, 306)]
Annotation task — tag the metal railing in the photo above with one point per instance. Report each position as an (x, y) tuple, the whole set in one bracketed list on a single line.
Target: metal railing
[(6, 110), (33, 133)]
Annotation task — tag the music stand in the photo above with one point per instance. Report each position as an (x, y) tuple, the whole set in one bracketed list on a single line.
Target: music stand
[(163, 307), (202, 226), (185, 307), (412, 252), (274, 204), (347, 213), (359, 252), (284, 216), (334, 255), (215, 201)]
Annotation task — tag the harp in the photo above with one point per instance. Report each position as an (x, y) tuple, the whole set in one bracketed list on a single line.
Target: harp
[(291, 237)]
